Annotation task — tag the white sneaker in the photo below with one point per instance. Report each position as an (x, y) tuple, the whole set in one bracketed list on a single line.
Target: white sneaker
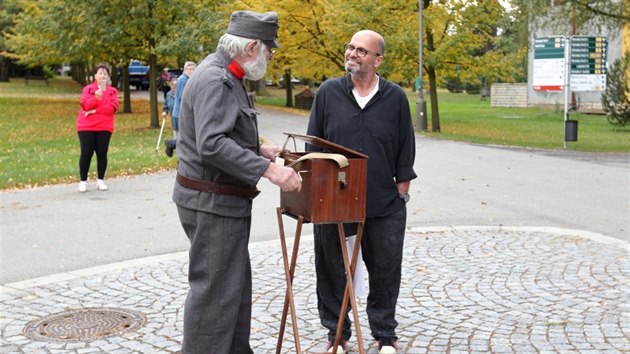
[(340, 350), (387, 346), (82, 187), (340, 347), (100, 185), (387, 349)]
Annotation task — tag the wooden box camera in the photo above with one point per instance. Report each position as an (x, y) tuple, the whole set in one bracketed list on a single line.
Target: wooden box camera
[(331, 192)]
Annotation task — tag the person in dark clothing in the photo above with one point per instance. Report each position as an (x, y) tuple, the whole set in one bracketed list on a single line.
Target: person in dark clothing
[(366, 113), (169, 101), (221, 160), (164, 82), (180, 85)]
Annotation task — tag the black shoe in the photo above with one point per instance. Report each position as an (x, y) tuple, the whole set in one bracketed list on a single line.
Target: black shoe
[(168, 149)]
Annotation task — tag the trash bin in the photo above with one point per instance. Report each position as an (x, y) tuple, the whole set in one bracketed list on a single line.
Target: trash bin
[(570, 130), (304, 99)]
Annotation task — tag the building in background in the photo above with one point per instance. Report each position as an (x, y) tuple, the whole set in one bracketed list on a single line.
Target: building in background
[(581, 101)]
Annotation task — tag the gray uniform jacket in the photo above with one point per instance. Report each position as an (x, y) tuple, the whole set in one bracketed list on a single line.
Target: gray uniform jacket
[(218, 139)]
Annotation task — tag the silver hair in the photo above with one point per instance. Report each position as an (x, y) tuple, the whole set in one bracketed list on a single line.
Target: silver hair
[(189, 64), (235, 45)]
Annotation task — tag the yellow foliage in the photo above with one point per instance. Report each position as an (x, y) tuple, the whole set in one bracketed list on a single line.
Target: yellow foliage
[(313, 32)]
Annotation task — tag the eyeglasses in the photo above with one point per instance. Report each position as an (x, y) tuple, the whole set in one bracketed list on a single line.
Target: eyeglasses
[(272, 52), (362, 52)]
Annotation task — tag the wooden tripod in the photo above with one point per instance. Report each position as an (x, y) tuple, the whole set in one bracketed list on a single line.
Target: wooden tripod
[(289, 270)]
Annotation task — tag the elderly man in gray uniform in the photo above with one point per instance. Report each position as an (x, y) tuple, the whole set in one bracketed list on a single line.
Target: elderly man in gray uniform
[(220, 163)]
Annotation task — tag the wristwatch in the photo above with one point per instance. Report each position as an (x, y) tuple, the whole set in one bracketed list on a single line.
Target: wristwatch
[(405, 197)]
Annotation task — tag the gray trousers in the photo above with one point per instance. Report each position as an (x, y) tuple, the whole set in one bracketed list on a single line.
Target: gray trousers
[(382, 249), (218, 309)]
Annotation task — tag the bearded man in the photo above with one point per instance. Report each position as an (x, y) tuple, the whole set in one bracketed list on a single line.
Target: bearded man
[(220, 163), (369, 114)]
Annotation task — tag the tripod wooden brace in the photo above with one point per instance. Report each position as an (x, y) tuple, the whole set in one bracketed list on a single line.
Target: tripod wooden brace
[(289, 270)]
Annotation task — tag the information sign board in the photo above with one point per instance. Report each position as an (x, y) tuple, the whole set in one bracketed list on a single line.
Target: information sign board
[(549, 63), (588, 63)]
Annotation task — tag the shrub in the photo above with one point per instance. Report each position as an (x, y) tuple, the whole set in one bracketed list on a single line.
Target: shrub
[(615, 100)]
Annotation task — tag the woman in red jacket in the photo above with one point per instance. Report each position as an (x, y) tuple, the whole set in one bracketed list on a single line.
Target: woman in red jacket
[(95, 125)]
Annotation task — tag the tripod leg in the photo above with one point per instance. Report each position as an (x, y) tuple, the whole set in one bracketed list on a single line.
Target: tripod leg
[(289, 274), (349, 292)]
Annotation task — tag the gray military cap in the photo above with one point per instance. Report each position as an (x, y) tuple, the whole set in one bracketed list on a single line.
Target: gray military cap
[(254, 25)]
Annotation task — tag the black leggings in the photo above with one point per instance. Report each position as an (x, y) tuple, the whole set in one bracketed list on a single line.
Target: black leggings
[(93, 141)]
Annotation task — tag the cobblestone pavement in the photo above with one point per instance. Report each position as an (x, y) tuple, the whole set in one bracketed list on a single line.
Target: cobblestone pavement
[(464, 290)]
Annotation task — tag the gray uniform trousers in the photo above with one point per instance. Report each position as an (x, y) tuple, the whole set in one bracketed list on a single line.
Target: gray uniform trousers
[(217, 313)]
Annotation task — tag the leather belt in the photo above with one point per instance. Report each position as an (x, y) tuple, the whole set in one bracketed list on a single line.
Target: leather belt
[(218, 188)]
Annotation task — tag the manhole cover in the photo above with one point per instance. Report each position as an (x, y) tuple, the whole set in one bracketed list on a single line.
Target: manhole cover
[(84, 324)]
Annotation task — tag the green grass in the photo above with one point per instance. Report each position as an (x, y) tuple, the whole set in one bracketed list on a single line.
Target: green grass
[(271, 101), (57, 86), (39, 143), (467, 118)]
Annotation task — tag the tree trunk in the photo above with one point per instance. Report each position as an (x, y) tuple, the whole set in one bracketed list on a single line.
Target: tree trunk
[(79, 73), (261, 88), (153, 100), (115, 77), (125, 87), (289, 87), (435, 112), (4, 69), (85, 74)]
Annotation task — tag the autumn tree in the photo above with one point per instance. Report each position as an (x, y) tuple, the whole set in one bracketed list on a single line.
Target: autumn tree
[(83, 33), (79, 33), (461, 38), (35, 37), (140, 26), (8, 11), (310, 36), (556, 14)]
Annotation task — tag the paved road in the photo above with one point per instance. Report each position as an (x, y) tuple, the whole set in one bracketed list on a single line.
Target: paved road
[(55, 229), (541, 267)]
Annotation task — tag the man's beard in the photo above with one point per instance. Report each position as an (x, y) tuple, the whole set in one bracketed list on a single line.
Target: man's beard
[(255, 70), (353, 69)]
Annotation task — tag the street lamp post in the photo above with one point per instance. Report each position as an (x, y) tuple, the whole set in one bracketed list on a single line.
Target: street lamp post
[(421, 104)]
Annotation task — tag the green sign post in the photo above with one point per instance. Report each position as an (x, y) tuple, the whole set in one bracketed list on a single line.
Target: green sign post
[(549, 48)]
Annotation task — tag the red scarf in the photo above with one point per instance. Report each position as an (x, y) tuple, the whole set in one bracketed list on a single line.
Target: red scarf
[(236, 70)]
